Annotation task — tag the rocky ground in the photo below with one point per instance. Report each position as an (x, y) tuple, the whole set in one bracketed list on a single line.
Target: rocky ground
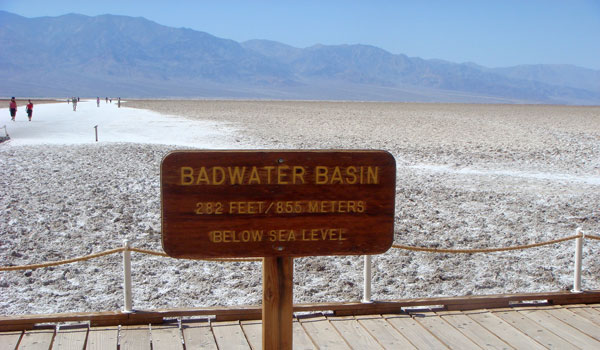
[(468, 176)]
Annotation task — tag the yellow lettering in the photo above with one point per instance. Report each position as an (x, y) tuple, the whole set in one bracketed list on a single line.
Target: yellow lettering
[(373, 175), (281, 175), (324, 233), (298, 173), (254, 177), (202, 177), (215, 177), (351, 172), (215, 236), (269, 169), (336, 176), (314, 234), (187, 175), (361, 206), (320, 175), (235, 175)]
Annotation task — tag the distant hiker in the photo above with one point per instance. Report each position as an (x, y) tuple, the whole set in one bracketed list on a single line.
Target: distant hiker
[(74, 104), (110, 99), (119, 103), (107, 100), (98, 101), (77, 99), (13, 108), (68, 100), (29, 110)]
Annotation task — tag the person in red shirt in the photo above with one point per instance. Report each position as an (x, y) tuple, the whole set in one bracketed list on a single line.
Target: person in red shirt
[(13, 108), (29, 109)]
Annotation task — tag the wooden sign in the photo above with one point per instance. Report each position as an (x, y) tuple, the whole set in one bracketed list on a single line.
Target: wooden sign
[(277, 203)]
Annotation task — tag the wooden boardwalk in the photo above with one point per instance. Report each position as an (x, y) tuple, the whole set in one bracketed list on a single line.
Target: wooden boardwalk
[(532, 327)]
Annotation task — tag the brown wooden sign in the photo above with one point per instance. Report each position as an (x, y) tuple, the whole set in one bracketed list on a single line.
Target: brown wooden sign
[(277, 203)]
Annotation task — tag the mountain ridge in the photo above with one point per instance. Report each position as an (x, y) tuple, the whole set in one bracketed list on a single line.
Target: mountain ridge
[(135, 57)]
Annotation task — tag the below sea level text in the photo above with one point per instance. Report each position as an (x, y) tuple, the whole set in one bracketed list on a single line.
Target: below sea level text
[(282, 235)]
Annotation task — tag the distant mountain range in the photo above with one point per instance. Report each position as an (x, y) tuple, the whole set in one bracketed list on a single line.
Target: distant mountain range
[(76, 55)]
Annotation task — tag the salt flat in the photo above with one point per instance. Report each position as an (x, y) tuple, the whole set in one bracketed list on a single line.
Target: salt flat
[(469, 176)]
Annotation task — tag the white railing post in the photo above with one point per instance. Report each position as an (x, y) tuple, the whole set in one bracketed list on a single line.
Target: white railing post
[(367, 279), (127, 277), (578, 253)]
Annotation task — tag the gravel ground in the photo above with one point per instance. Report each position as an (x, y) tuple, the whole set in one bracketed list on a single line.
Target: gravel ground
[(469, 176)]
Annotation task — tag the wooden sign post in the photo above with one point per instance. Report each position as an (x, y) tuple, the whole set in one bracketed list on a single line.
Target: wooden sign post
[(277, 205)]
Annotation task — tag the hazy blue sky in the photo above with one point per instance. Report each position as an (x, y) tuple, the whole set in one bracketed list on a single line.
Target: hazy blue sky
[(490, 33)]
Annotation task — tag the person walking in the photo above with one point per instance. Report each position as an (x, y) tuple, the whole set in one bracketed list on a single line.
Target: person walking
[(13, 108), (98, 101), (119, 103), (29, 109), (74, 104)]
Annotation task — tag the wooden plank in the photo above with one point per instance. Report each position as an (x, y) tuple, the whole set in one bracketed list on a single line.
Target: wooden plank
[(412, 330), (562, 329), (354, 334), (38, 339), (385, 334), (534, 330), (70, 338), (9, 340), (199, 335), (301, 339), (253, 332), (588, 313), (504, 331), (229, 335), (583, 324), (444, 331), (100, 338), (166, 337), (473, 330), (322, 333), (135, 338)]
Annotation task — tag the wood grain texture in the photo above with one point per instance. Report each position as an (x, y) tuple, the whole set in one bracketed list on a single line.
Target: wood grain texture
[(229, 335), (384, 332), (323, 334), (68, 338), (37, 339), (135, 338), (277, 316), (416, 334), (166, 337), (9, 340), (199, 335), (100, 338), (277, 203), (534, 330)]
